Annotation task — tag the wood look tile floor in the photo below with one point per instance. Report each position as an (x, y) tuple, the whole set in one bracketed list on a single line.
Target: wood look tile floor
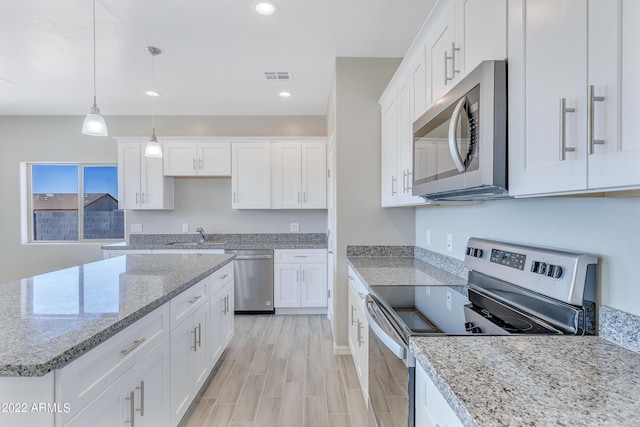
[(280, 371)]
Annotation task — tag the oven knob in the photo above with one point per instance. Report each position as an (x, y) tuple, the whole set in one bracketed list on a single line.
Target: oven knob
[(476, 330), (469, 251), (468, 326), (477, 253), (554, 271), (542, 268)]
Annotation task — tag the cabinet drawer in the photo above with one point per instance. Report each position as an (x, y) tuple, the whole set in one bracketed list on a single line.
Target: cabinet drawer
[(300, 256), (85, 378), (218, 278), (185, 304)]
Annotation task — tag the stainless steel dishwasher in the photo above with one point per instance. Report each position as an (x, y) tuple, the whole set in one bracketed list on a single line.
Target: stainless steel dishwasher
[(253, 276)]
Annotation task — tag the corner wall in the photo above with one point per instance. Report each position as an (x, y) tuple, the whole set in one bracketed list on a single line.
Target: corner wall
[(355, 115)]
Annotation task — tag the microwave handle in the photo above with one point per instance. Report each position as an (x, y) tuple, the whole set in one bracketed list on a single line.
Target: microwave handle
[(453, 143)]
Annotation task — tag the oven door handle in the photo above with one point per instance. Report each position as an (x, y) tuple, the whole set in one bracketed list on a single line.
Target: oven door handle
[(395, 344)]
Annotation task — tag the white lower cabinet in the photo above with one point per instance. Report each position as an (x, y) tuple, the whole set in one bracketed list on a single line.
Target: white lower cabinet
[(300, 278), (189, 361), (431, 407), (139, 397), (149, 373), (358, 333)]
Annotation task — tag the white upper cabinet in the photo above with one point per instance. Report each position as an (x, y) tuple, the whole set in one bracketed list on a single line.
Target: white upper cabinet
[(614, 67), (197, 158), (456, 38), (141, 181), (569, 120), (459, 36), (299, 175), (251, 175)]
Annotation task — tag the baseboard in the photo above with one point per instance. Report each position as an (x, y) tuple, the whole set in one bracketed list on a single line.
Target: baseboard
[(341, 350)]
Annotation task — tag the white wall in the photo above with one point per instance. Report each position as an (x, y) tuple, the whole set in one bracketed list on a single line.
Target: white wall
[(58, 138), (608, 227), (355, 115)]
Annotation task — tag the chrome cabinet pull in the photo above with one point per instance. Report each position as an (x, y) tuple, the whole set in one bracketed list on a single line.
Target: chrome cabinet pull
[(563, 128), (299, 256), (226, 304), (132, 411), (304, 197), (200, 163), (393, 185), (194, 299), (141, 388), (194, 347), (303, 275), (235, 199), (137, 197), (199, 342), (133, 346), (409, 180), (224, 277), (592, 100), (353, 321), (194, 164), (298, 197), (454, 49)]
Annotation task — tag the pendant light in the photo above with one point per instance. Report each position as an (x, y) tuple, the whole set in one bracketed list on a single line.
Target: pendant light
[(94, 124), (153, 147)]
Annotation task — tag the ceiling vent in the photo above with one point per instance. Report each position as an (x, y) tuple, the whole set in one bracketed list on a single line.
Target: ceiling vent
[(277, 76)]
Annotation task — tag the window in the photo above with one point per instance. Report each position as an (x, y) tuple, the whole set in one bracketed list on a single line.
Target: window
[(74, 202)]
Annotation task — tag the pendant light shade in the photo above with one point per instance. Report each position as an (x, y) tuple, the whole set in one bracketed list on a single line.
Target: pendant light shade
[(94, 124), (153, 147)]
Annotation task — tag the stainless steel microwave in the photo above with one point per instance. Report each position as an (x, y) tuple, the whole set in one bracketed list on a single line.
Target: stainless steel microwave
[(460, 142)]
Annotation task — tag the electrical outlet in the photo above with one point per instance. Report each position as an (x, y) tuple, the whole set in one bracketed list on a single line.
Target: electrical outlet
[(294, 226), (449, 298), (427, 290), (449, 242), (136, 228), (428, 237), (185, 227)]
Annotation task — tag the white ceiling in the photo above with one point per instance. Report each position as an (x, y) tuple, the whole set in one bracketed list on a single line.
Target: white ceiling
[(214, 53)]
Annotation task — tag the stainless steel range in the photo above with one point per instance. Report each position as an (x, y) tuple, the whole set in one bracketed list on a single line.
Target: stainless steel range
[(512, 289)]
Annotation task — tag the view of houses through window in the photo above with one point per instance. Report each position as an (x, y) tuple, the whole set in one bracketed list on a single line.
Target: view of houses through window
[(74, 202)]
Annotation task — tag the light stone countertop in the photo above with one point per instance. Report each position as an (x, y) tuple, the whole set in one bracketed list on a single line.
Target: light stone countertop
[(51, 319), (534, 380), (402, 271), (249, 244)]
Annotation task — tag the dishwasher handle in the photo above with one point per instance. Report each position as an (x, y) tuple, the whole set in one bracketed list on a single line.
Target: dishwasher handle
[(383, 329), (250, 257)]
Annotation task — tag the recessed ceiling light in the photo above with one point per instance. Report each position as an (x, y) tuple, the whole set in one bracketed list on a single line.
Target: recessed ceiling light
[(285, 94), (151, 93), (265, 8)]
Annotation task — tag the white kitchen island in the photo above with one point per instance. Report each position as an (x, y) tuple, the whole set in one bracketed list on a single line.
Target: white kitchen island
[(126, 340)]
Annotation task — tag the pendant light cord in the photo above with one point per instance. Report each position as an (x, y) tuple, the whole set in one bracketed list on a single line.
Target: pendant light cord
[(153, 95), (94, 53)]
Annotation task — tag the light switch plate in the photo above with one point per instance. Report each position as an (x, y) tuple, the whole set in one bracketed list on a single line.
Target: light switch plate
[(136, 228), (294, 226), (185, 227)]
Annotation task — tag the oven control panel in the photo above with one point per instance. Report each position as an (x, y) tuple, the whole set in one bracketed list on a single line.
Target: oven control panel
[(557, 273), (508, 258)]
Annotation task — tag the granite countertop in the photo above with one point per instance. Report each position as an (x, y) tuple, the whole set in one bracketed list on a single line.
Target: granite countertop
[(534, 380), (401, 271), (51, 319), (248, 244)]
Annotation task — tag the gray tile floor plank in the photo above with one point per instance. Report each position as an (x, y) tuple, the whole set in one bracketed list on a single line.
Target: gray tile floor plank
[(280, 371)]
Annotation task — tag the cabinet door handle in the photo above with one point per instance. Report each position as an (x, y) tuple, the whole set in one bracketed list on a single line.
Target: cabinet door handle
[(235, 199), (304, 197), (194, 299), (563, 128), (132, 411), (393, 185), (454, 71), (200, 164), (226, 304), (141, 388), (353, 320), (592, 100), (409, 180), (194, 347), (224, 277), (133, 346), (298, 197), (199, 334), (194, 164), (137, 197)]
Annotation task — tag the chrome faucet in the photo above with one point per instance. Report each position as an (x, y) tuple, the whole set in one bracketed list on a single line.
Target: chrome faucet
[(202, 236)]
